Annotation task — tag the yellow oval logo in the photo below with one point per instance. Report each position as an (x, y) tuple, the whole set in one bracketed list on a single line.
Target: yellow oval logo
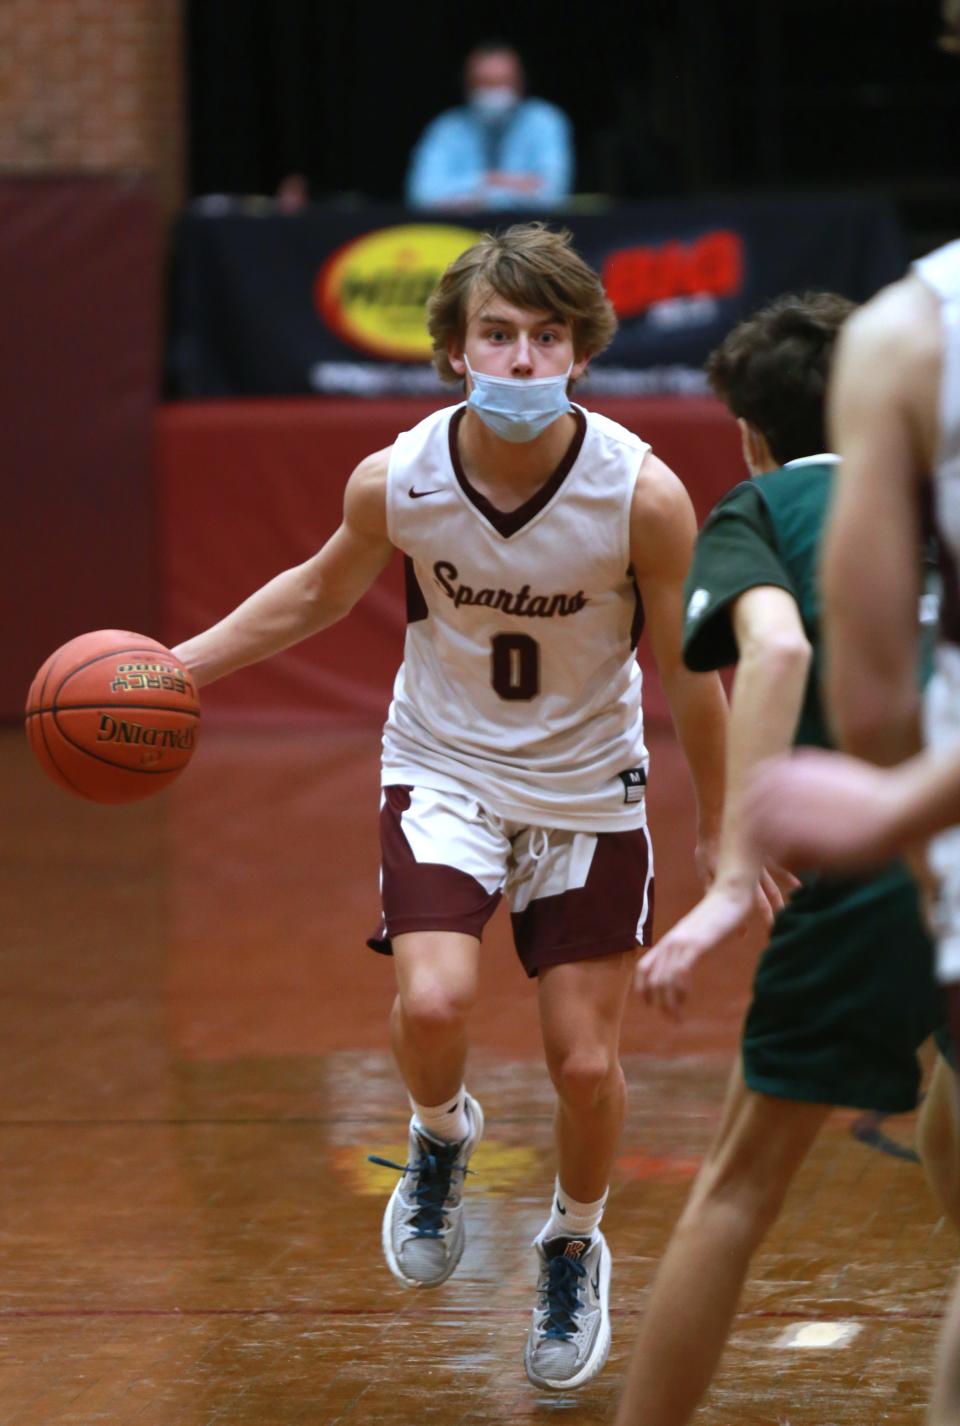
[(372, 292)]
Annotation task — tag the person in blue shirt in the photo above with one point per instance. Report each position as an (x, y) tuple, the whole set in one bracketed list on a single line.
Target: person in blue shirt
[(499, 149)]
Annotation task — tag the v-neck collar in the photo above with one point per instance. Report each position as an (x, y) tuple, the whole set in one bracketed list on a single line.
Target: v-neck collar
[(507, 523)]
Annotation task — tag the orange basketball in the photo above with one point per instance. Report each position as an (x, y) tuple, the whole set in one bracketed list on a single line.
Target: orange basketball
[(113, 716)]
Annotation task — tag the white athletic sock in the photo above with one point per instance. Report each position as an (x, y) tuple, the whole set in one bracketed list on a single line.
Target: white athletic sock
[(573, 1219), (446, 1121)]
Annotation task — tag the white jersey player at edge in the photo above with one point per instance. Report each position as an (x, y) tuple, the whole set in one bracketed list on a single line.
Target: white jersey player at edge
[(538, 537)]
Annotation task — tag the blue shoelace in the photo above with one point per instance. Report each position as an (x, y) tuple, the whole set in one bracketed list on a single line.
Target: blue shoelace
[(433, 1171), (562, 1296)]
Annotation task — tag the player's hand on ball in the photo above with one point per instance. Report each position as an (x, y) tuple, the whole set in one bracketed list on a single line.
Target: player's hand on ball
[(663, 975)]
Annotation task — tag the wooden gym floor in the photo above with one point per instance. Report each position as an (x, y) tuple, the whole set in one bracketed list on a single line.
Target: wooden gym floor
[(193, 1069)]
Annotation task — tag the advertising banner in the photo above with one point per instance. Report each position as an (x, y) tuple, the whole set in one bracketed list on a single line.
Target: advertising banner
[(331, 301)]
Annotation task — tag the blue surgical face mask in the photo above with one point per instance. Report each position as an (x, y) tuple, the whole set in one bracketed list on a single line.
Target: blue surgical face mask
[(518, 408), (493, 104)]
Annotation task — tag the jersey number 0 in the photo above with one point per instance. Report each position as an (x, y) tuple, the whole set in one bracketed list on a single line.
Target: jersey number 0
[(515, 666)]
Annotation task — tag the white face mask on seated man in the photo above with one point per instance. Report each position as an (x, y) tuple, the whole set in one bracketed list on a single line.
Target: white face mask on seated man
[(493, 102), (518, 408)]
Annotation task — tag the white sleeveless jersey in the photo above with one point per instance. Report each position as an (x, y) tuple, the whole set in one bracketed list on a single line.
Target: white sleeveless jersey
[(940, 271), (519, 683)]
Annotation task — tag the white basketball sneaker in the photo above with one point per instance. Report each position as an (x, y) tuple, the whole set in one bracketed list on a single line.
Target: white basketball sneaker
[(423, 1228), (569, 1336)]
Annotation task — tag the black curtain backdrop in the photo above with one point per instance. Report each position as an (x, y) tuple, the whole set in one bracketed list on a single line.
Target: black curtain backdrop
[(666, 96)]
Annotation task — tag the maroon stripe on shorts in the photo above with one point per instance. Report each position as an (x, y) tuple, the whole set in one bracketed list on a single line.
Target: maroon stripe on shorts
[(597, 919), (423, 896)]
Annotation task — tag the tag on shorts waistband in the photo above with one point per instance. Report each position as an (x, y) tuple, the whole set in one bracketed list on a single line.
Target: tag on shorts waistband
[(634, 783)]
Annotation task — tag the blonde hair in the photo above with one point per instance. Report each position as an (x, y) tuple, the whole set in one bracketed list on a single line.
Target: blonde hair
[(533, 268)]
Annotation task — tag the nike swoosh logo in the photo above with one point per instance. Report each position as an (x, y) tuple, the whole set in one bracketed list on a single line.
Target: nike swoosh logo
[(419, 494), (595, 1281), (561, 1210)]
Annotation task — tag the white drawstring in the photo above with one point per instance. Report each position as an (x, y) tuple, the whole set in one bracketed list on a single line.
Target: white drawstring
[(543, 834)]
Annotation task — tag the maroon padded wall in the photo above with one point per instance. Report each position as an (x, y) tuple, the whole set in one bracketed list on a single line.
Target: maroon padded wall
[(247, 488), (80, 301)]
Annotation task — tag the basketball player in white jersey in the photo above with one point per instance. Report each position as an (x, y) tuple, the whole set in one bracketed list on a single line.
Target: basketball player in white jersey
[(538, 537)]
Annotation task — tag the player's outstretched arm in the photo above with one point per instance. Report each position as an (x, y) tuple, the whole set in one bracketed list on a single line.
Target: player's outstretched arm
[(885, 370), (309, 597), (772, 670), (827, 809), (663, 530)]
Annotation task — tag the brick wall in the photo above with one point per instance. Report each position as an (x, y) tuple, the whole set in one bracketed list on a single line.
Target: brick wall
[(93, 86)]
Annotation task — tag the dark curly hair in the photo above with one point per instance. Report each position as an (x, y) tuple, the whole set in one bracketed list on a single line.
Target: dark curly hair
[(772, 370)]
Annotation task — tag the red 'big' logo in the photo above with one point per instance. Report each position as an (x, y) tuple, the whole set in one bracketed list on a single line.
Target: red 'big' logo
[(636, 278)]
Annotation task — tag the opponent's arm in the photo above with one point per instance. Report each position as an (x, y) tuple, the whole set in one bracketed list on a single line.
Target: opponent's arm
[(772, 670), (888, 355), (309, 597), (663, 530), (771, 677)]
